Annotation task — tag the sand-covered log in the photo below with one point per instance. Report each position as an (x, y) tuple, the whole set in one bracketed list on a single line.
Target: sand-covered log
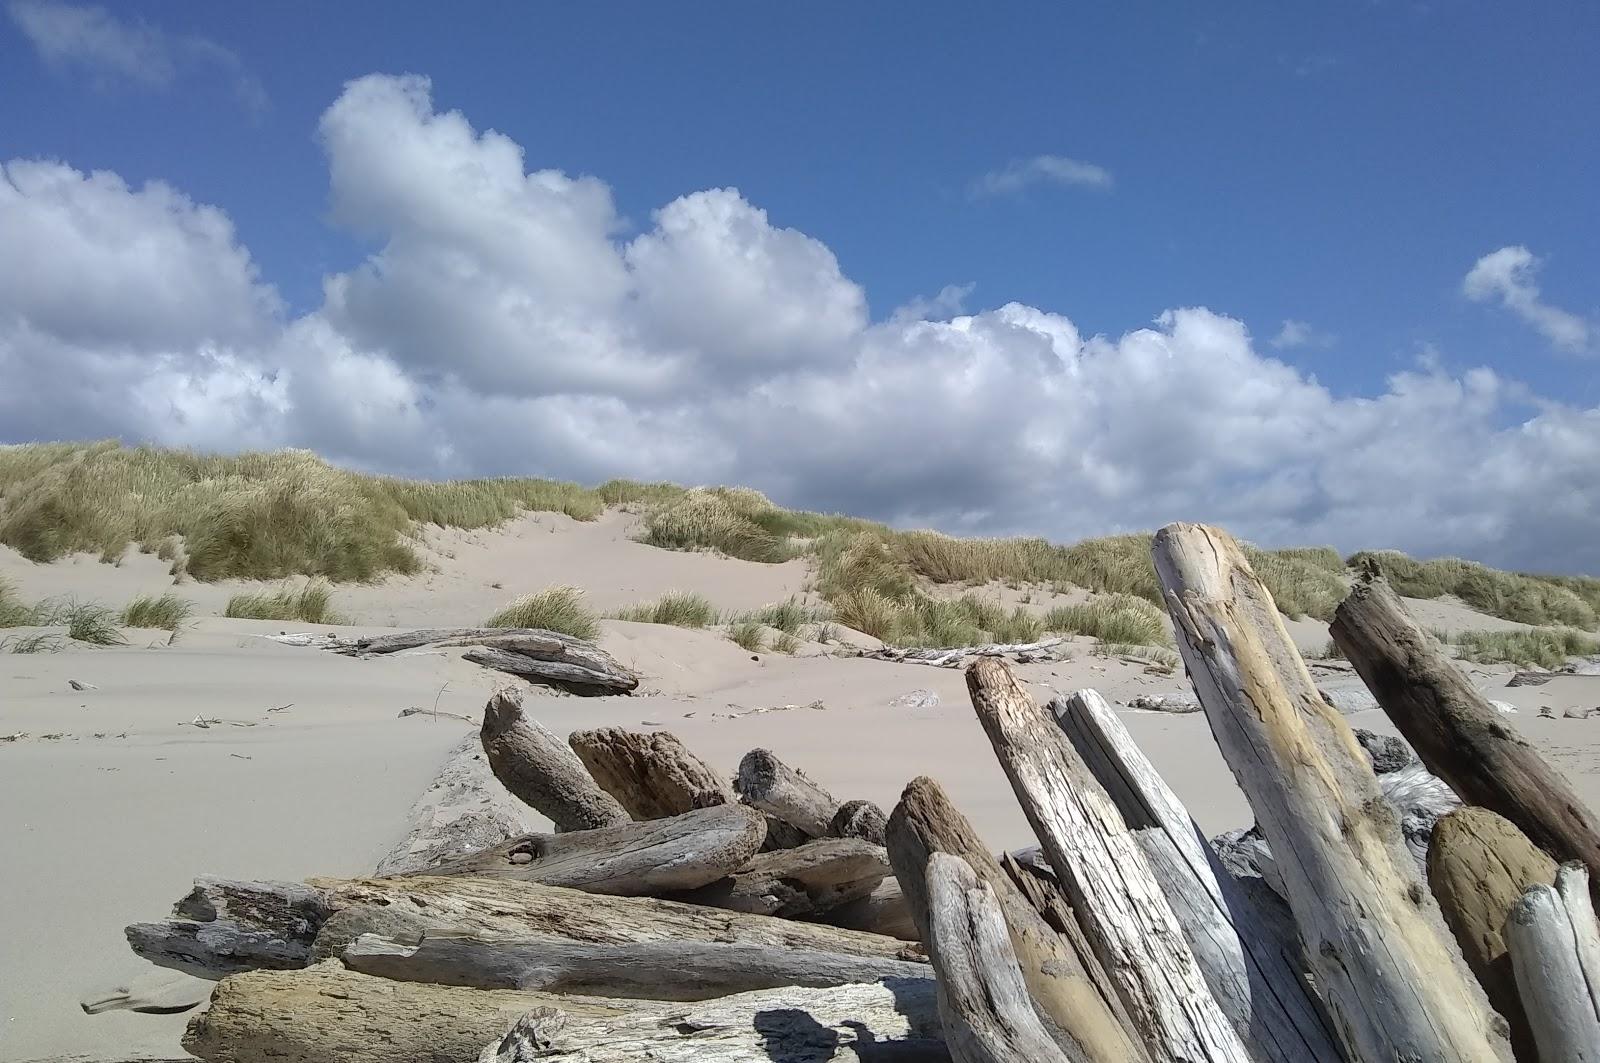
[(1381, 956), (652, 775), (541, 770), (466, 809)]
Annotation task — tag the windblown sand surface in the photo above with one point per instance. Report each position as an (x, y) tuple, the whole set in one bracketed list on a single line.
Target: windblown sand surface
[(114, 799)]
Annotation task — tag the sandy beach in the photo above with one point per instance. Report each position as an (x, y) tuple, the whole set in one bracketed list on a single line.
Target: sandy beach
[(117, 798)]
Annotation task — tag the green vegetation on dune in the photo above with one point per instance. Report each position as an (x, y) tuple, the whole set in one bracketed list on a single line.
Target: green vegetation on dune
[(13, 611), (678, 608), (1569, 601), (311, 603), (1121, 619), (553, 609), (1546, 647), (167, 611)]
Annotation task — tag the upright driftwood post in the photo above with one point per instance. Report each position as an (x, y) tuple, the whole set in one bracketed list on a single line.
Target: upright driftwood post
[(1454, 729), (1062, 973), (1542, 940), (1246, 961), (651, 775), (1381, 956), (988, 1015), (1120, 905), (541, 770)]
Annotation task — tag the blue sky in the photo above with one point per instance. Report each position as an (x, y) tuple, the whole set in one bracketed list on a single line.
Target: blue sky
[(1340, 166)]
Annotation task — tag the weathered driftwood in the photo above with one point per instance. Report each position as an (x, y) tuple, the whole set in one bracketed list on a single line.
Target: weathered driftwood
[(890, 1022), (859, 819), (651, 775), (1246, 960), (1120, 905), (464, 810), (1540, 935), (988, 1015), (1061, 972), (327, 1014), (1479, 864), (154, 992), (1037, 881), (225, 926), (1572, 883), (1379, 951), (1021, 652), (793, 883), (630, 859), (578, 678), (1457, 733), (655, 970), (772, 786), (541, 770), (883, 911)]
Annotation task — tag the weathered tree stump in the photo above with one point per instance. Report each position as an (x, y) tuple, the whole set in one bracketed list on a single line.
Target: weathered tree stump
[(651, 775), (772, 786)]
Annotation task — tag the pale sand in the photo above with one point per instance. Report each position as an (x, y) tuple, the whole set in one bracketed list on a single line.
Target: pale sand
[(103, 831)]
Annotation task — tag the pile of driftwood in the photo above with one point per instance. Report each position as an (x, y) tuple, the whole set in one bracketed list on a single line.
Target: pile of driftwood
[(675, 915)]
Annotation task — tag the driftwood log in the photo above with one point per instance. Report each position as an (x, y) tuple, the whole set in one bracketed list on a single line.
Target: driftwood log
[(651, 775), (803, 882), (1460, 737), (1062, 975), (1479, 865), (464, 810), (1120, 905), (654, 970), (1541, 935), (883, 911), (541, 770), (630, 859), (1247, 959), (1381, 956), (1021, 652), (224, 926), (889, 1022), (859, 819), (769, 784), (988, 1015)]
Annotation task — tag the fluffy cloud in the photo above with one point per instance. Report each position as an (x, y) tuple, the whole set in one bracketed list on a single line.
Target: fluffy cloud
[(1507, 275), (1299, 334), (1041, 169), (508, 322)]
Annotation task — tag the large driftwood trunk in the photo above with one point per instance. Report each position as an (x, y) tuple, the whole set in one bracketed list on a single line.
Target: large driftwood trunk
[(1245, 958), (1062, 975), (327, 1014), (631, 859), (883, 911), (225, 926), (541, 770), (576, 678), (1120, 905), (772, 786), (1457, 733), (464, 810), (651, 775), (1381, 956), (988, 1015), (893, 1022), (546, 656), (1541, 935), (1478, 867), (795, 883), (654, 970)]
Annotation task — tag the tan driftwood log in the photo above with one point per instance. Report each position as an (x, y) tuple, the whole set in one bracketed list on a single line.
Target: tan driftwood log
[(892, 1022), (859, 819), (1380, 954), (772, 786), (577, 678), (1119, 904), (327, 1014), (224, 926), (651, 775), (1246, 959), (1061, 973), (1042, 891), (794, 883), (541, 770), (464, 810), (883, 911), (1540, 936), (654, 970), (1457, 733), (630, 859), (1479, 864), (1022, 652), (983, 1000)]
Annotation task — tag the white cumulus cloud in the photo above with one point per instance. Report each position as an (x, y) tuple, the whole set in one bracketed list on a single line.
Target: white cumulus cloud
[(507, 321), (1507, 275)]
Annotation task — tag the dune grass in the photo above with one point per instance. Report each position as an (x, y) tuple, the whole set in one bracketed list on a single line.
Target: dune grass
[(312, 603), (1115, 618), (167, 611), (14, 612), (39, 642), (749, 634), (88, 622), (1566, 601), (788, 616), (678, 608), (1544, 647), (553, 609)]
